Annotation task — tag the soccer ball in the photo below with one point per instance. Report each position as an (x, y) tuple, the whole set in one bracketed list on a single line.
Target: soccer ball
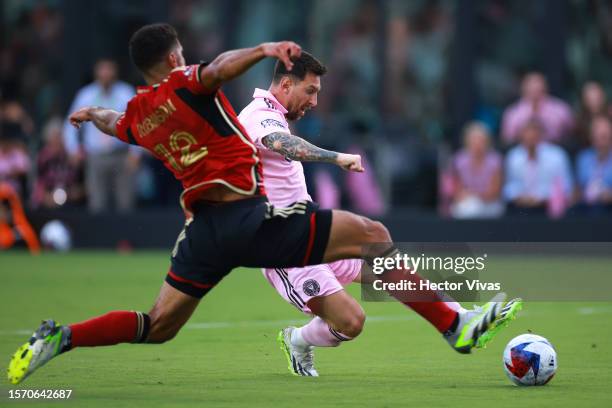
[(530, 359), (56, 236)]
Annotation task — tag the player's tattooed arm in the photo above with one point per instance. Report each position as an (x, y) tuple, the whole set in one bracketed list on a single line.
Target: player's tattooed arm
[(103, 119), (295, 148), (231, 64)]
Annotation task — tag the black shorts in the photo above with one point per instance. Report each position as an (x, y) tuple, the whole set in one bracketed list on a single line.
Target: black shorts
[(249, 232)]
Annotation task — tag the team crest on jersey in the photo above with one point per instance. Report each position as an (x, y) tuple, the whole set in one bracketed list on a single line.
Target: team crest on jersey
[(311, 287), (188, 71), (272, 122)]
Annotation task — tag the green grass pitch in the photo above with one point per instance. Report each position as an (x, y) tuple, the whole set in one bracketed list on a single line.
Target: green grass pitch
[(227, 354)]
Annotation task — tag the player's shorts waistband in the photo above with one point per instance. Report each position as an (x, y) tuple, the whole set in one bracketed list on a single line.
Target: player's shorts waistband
[(245, 202)]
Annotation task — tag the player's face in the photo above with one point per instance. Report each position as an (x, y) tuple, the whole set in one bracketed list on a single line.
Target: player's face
[(303, 96)]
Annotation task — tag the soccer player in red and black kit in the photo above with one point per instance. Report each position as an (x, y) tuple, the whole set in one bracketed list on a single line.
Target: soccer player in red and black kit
[(183, 118)]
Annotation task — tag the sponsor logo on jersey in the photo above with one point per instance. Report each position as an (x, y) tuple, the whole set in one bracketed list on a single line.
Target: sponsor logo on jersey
[(272, 122)]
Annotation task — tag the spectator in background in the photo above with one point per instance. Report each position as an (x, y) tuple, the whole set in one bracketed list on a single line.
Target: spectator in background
[(15, 130), (593, 103), (16, 123), (14, 164), (477, 173), (56, 179), (110, 165), (14, 225), (594, 168), (354, 60), (536, 103), (538, 175)]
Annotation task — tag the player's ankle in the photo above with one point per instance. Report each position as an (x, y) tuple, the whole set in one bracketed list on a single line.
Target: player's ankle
[(66, 344), (454, 325), (297, 340)]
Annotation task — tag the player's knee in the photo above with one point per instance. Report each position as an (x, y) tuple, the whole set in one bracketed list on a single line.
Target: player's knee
[(376, 231), (352, 326)]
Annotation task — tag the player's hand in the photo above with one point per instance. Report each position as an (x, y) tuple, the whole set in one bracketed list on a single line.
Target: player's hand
[(80, 116), (284, 51), (351, 162)]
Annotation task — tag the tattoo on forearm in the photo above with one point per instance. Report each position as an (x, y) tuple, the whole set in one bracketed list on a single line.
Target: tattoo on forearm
[(296, 148), (105, 119)]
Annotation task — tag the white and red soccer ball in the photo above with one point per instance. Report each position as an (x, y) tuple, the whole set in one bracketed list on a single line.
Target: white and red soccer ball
[(530, 359)]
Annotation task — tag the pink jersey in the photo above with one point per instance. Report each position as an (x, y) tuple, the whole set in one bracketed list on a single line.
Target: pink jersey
[(284, 183), (284, 180)]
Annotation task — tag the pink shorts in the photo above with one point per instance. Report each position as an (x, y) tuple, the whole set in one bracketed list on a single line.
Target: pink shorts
[(298, 285)]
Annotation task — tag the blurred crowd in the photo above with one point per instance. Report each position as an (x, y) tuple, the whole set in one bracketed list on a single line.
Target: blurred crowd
[(539, 154), (551, 158)]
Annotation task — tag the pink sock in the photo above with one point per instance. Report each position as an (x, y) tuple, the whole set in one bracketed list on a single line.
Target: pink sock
[(318, 333)]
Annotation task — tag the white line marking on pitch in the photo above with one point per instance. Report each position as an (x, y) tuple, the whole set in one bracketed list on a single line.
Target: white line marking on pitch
[(246, 324), (282, 323), (257, 323)]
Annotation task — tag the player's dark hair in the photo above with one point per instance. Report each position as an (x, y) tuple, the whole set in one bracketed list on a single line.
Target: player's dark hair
[(301, 66), (151, 43)]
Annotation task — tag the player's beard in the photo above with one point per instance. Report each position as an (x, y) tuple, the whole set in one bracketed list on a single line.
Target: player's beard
[(292, 116), (295, 114)]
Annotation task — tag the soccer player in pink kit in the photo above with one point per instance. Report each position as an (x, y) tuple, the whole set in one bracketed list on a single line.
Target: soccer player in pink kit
[(315, 290)]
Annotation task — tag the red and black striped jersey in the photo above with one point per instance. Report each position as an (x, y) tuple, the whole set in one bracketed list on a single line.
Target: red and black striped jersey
[(195, 133)]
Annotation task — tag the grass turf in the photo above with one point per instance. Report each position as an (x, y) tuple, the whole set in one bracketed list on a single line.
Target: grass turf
[(227, 354)]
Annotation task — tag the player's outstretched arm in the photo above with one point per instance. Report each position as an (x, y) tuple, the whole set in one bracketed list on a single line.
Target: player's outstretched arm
[(295, 148), (231, 64), (103, 119)]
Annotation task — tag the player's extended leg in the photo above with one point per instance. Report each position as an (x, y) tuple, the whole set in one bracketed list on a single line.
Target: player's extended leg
[(170, 312), (338, 318), (462, 329)]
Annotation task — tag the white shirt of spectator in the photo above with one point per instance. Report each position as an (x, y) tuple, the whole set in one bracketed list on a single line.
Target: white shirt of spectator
[(94, 141), (536, 178)]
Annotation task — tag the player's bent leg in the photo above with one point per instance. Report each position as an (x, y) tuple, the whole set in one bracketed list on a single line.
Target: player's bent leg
[(169, 314), (350, 232), (343, 314), (344, 319), (463, 329)]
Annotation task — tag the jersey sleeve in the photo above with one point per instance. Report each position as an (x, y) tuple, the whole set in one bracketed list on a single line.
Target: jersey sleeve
[(123, 127), (264, 122), (193, 81)]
